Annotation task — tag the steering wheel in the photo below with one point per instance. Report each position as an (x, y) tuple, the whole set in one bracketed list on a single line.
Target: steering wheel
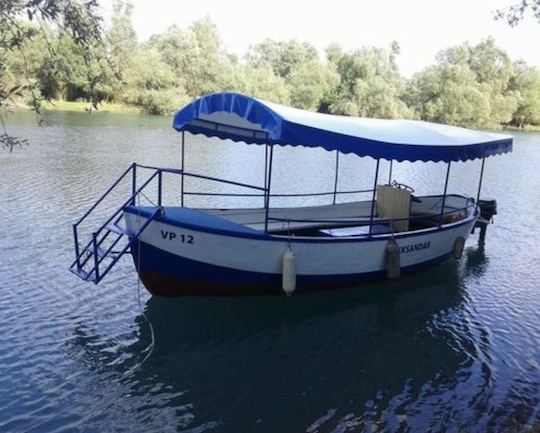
[(403, 186)]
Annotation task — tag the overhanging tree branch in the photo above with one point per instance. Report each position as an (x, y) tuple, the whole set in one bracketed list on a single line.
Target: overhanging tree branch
[(78, 18), (515, 13)]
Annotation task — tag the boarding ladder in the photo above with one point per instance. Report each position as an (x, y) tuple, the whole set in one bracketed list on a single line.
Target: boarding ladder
[(107, 244)]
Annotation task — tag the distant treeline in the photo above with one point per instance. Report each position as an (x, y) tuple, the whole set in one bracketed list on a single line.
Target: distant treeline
[(469, 85)]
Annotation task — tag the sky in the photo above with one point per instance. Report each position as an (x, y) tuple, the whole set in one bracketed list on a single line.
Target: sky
[(421, 27)]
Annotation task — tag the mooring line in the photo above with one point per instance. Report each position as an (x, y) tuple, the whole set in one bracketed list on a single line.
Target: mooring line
[(150, 348)]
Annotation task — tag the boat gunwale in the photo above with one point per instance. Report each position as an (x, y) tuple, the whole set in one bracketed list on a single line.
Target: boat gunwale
[(309, 239)]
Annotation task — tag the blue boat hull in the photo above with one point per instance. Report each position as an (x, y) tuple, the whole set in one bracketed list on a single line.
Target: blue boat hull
[(165, 274)]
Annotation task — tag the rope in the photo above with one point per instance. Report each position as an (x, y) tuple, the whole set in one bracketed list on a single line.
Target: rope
[(139, 203), (150, 348), (289, 234)]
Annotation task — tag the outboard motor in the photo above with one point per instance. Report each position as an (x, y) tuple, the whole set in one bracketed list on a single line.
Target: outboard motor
[(488, 208)]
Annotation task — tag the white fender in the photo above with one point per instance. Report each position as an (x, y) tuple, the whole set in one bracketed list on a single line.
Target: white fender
[(288, 262), (393, 266), (457, 249)]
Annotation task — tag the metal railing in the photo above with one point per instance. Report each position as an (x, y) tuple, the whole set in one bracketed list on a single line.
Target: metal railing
[(92, 249), (437, 220), (307, 194), (99, 236), (244, 185)]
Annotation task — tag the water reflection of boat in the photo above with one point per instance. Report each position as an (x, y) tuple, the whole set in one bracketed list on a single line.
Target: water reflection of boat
[(288, 361), (476, 260), (222, 251), (187, 320)]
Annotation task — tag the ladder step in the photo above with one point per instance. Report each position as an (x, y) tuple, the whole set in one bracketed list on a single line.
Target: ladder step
[(81, 273), (101, 253), (92, 255), (115, 228)]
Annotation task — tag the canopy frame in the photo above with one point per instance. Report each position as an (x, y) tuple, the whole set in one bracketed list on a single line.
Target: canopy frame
[(275, 128), (244, 119)]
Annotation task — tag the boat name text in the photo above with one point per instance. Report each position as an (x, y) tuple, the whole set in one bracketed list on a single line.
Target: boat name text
[(415, 247), (185, 239)]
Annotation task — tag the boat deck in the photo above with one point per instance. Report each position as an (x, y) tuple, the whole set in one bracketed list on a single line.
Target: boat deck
[(358, 213)]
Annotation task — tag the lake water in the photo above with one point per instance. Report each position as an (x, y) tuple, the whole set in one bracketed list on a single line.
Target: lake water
[(455, 348)]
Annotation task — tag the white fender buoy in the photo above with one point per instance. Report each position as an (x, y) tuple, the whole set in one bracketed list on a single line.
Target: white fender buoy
[(393, 267), (288, 262), (457, 249)]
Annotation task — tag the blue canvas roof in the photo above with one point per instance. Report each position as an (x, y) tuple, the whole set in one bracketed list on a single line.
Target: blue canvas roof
[(253, 121)]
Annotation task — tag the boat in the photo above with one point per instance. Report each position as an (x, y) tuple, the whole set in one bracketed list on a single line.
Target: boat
[(227, 251)]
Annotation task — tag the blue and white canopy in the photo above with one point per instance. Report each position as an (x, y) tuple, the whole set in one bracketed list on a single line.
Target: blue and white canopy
[(242, 118)]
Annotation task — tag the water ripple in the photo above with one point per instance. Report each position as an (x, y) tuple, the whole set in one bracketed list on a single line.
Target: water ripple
[(454, 349)]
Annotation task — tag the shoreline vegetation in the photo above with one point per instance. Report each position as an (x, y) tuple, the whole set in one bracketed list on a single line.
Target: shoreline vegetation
[(470, 85), (120, 108), (86, 106)]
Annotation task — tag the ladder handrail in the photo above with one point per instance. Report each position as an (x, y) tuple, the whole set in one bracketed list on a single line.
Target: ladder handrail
[(100, 276), (201, 176), (81, 219), (93, 247), (112, 217), (129, 200)]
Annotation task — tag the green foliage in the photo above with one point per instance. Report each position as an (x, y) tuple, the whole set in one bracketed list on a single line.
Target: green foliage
[(471, 85), (196, 57), (79, 18), (515, 13), (526, 84), (370, 84), (121, 38), (283, 57), (311, 84), (151, 83), (261, 82), (42, 60), (22, 23), (448, 93)]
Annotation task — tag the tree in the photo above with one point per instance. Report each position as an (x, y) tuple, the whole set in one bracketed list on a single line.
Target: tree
[(152, 84), (283, 56), (121, 37), (470, 85), (448, 93), (197, 58), (78, 18), (370, 84), (260, 82), (23, 66), (311, 84), (334, 52), (68, 74), (493, 69), (526, 84)]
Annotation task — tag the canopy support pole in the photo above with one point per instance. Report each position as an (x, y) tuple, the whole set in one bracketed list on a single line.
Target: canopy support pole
[(480, 183), (265, 171), (160, 188), (133, 183), (182, 167), (373, 197), (390, 172), (267, 190), (336, 178), (444, 194)]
